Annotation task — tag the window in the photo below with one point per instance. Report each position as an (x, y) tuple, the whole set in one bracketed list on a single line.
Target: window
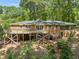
[(39, 27), (65, 28)]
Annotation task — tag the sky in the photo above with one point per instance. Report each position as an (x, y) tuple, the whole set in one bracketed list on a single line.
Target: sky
[(9, 2)]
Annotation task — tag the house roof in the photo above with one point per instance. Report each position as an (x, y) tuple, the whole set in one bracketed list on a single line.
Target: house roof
[(41, 22)]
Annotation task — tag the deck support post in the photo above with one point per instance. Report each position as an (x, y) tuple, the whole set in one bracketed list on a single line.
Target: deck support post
[(36, 36), (11, 38), (4, 42), (23, 37), (29, 36), (17, 37)]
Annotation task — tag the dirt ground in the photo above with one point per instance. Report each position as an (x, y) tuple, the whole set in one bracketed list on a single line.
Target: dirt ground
[(5, 48), (76, 50), (39, 49)]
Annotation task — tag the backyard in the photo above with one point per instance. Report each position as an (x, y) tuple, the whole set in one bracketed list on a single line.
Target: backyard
[(39, 29)]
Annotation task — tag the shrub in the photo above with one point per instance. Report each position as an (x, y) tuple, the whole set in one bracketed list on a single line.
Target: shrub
[(50, 53), (25, 51), (65, 52), (10, 54)]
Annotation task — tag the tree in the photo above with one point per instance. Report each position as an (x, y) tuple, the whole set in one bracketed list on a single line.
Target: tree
[(54, 9), (1, 10), (68, 14), (36, 8), (1, 32), (14, 13)]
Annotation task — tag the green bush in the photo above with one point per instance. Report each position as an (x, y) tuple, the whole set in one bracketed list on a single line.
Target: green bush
[(50, 53), (65, 52), (10, 54), (1, 32), (25, 51)]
